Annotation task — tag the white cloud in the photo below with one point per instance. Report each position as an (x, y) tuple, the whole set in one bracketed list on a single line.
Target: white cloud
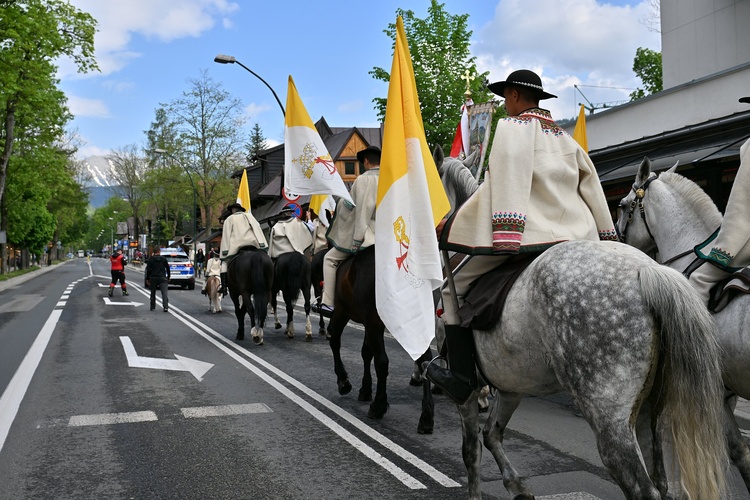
[(88, 151), (582, 42), (164, 20), (252, 110), (81, 106)]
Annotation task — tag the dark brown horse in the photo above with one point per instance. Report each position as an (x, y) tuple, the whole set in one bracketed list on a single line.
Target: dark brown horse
[(355, 301), (250, 276)]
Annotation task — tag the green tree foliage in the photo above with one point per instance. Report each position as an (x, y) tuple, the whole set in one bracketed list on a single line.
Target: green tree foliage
[(647, 67), (129, 167), (33, 111), (257, 143), (439, 47)]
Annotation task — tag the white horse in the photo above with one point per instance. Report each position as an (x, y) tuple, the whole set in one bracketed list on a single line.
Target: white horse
[(671, 214), (604, 322)]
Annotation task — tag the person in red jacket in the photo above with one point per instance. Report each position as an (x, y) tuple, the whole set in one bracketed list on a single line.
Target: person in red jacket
[(118, 262)]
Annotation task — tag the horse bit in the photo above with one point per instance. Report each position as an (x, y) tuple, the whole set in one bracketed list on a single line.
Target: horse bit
[(637, 203)]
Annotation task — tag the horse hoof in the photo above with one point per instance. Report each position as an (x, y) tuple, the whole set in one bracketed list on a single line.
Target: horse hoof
[(413, 381), (277, 325), (364, 395), (289, 335), (308, 337), (523, 496), (345, 387), (239, 337), (377, 413), (425, 428)]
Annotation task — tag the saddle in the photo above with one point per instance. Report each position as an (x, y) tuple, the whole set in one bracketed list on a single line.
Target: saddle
[(725, 291), (483, 305)]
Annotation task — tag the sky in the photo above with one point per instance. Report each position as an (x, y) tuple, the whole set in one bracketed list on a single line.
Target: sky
[(148, 51)]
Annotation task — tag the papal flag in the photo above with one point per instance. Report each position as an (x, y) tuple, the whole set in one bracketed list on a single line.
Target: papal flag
[(579, 133), (308, 167), (411, 201), (319, 203), (243, 193)]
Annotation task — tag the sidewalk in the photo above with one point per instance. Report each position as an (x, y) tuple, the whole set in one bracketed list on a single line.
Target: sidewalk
[(5, 284)]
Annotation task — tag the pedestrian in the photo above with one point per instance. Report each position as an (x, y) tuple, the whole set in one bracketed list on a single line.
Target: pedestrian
[(540, 189), (157, 276), (353, 228), (200, 258), (117, 266)]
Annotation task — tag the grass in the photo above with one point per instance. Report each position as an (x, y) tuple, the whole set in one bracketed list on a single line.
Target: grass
[(18, 272)]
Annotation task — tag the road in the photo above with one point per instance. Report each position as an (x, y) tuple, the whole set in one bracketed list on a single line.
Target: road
[(102, 398)]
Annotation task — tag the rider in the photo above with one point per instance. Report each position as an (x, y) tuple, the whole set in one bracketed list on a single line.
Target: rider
[(540, 189), (353, 228), (728, 249), (289, 235), (213, 268), (240, 229), (118, 262)]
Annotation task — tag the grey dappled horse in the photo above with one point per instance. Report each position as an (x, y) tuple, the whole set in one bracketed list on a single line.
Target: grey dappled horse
[(604, 322), (677, 216)]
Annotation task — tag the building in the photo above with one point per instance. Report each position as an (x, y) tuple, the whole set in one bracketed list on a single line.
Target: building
[(697, 119)]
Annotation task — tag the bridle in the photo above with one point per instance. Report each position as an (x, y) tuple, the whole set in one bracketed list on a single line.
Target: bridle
[(637, 204)]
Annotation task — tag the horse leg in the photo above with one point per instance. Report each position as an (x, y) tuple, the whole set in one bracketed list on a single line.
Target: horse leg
[(739, 452), (494, 433), (239, 312), (376, 340), (274, 297), (336, 328), (471, 448), (289, 302), (256, 330), (306, 296), (365, 390), (427, 418)]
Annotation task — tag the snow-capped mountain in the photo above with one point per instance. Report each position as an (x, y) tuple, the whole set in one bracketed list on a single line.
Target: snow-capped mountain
[(98, 180)]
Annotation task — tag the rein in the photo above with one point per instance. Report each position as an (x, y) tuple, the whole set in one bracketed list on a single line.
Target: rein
[(637, 203)]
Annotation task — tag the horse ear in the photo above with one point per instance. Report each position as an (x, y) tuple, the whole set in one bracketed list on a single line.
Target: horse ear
[(643, 171), (438, 155), (472, 158), (674, 167)]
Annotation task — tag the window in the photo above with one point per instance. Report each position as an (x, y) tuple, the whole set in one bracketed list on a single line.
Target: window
[(349, 168), (361, 168)]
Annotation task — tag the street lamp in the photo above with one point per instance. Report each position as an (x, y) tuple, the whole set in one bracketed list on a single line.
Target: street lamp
[(165, 152), (224, 59)]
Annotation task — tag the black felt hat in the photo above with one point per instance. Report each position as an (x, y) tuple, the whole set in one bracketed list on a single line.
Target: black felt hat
[(368, 150), (234, 205), (745, 100), (521, 78)]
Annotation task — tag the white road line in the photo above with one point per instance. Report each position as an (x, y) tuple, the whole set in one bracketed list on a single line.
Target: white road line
[(112, 418), (224, 410), (14, 393), (215, 338)]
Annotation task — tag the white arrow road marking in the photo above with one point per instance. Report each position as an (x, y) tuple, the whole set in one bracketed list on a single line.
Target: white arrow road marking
[(181, 364), (110, 303)]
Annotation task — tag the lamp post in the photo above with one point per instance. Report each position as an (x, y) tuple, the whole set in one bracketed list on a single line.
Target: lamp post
[(165, 152), (224, 59)]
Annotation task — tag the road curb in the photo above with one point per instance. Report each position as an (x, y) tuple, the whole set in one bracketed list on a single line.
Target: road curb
[(17, 280)]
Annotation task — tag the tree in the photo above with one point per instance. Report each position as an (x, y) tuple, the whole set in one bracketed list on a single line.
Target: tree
[(647, 67), (128, 168), (257, 143), (439, 47), (209, 123), (33, 110)]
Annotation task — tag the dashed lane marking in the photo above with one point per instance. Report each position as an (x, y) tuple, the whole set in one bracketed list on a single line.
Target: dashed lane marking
[(112, 418), (224, 410)]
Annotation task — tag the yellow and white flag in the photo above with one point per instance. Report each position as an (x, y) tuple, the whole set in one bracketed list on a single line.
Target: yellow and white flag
[(319, 203), (308, 167), (411, 201), (579, 133), (243, 193)]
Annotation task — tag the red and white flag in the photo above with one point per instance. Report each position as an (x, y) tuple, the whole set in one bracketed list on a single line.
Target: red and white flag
[(461, 140)]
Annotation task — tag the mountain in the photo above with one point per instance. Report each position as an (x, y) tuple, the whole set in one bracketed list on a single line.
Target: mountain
[(98, 180)]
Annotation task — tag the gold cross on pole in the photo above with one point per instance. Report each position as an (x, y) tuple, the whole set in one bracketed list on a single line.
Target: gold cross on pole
[(468, 77)]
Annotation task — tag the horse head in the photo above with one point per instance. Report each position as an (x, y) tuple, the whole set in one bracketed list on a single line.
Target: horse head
[(457, 179)]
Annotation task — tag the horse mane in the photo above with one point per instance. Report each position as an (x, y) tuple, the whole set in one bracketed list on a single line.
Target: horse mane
[(694, 196)]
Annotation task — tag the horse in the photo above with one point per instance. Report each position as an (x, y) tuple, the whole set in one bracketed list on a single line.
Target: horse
[(620, 333), (676, 215), (213, 283), (291, 274), (316, 276), (250, 276)]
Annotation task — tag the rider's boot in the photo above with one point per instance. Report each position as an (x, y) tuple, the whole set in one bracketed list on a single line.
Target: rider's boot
[(124, 290), (223, 277), (460, 380)]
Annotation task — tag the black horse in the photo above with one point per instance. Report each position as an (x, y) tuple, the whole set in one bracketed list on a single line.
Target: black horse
[(250, 276), (355, 300), (291, 274)]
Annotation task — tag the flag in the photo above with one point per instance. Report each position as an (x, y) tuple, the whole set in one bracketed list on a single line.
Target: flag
[(243, 193), (319, 203), (461, 140), (410, 203), (579, 134), (308, 167)]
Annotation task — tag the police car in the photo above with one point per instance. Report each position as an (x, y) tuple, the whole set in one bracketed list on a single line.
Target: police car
[(181, 269)]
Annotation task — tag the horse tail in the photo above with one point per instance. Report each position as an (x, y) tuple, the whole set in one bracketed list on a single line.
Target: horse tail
[(293, 268), (262, 279), (692, 394)]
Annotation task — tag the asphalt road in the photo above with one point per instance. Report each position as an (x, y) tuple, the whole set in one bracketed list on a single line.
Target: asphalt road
[(102, 398)]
